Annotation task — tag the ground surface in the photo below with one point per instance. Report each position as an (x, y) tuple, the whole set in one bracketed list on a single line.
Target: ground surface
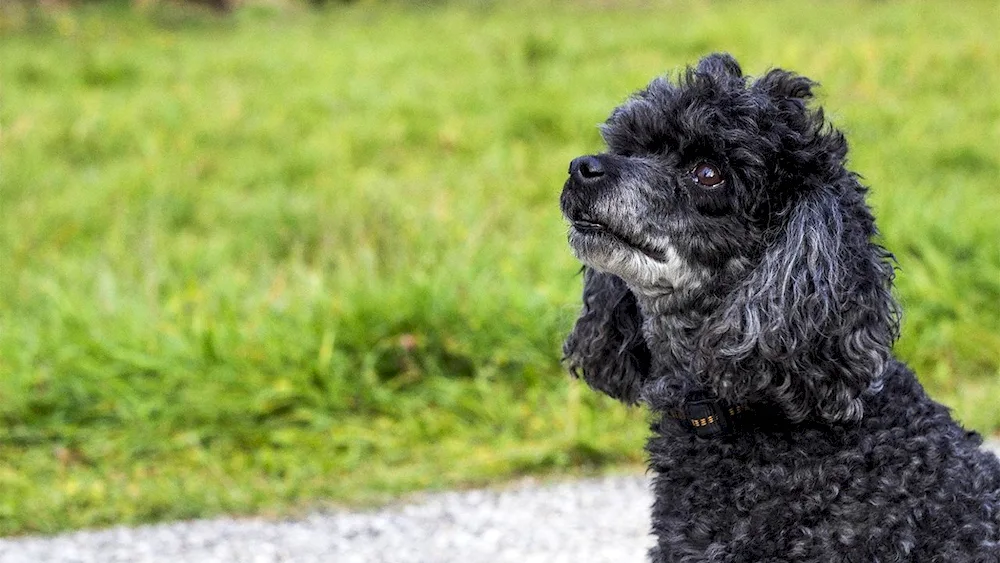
[(588, 521)]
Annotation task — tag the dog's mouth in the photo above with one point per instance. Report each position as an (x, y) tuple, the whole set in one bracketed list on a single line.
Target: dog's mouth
[(588, 226), (595, 229)]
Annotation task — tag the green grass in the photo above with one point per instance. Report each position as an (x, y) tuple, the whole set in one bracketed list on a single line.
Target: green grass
[(281, 259)]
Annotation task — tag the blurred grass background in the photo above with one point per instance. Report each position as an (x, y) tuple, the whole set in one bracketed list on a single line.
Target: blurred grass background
[(285, 257)]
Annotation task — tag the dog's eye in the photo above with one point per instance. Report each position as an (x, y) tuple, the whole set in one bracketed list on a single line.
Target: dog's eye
[(707, 175)]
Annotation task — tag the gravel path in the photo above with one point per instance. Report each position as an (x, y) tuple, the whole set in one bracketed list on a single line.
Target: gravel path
[(594, 520), (591, 521)]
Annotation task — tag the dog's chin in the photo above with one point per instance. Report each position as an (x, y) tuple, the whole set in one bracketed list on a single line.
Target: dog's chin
[(590, 234), (645, 269)]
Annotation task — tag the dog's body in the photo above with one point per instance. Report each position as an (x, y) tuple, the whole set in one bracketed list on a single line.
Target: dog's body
[(730, 267), (903, 484)]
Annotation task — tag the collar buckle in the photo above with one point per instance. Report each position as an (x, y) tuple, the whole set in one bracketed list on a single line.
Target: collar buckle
[(710, 418)]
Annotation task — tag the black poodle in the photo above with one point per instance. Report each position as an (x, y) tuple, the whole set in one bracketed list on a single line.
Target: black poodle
[(732, 285)]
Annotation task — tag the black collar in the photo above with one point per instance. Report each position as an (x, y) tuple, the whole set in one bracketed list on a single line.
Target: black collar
[(710, 417)]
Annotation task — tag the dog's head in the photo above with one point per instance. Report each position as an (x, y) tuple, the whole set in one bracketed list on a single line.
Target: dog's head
[(728, 198)]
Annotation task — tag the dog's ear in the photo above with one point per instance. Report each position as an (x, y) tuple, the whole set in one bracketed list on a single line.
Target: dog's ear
[(719, 65), (606, 346), (811, 327)]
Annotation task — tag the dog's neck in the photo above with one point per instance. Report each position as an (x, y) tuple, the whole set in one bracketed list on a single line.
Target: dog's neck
[(672, 319), (671, 326), (672, 323)]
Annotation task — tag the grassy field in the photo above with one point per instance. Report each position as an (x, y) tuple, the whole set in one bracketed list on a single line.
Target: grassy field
[(283, 258)]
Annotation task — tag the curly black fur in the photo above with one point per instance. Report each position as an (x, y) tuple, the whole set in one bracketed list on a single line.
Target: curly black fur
[(608, 339), (765, 289)]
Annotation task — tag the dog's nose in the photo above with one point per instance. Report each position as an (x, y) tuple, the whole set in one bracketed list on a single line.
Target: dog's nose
[(586, 169)]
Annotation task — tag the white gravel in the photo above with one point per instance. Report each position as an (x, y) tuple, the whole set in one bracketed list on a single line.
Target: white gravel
[(588, 521), (593, 520)]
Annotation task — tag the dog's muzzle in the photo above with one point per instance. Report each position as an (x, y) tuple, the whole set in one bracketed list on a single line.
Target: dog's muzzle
[(587, 176)]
